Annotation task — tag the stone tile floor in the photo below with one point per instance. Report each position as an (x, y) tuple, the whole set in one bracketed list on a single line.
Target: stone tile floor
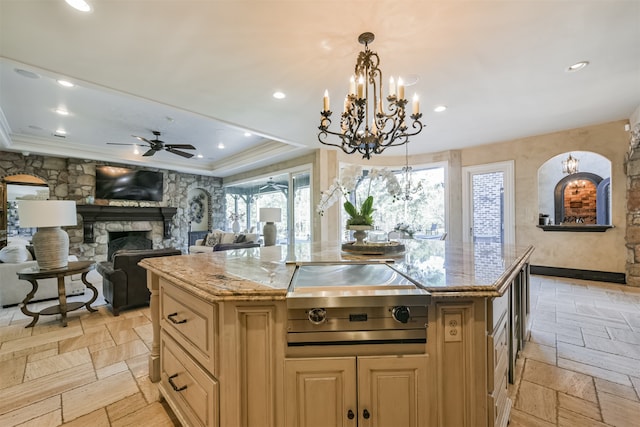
[(580, 368)]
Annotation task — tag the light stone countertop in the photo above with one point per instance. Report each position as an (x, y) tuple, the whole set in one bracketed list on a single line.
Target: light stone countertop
[(443, 268)]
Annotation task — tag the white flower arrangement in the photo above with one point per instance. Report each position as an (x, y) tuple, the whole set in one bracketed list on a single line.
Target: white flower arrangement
[(407, 229), (350, 176)]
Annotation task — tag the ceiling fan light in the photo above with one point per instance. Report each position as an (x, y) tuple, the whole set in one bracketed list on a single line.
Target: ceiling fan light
[(220, 146)]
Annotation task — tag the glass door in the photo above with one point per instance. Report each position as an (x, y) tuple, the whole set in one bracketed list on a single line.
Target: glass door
[(488, 206)]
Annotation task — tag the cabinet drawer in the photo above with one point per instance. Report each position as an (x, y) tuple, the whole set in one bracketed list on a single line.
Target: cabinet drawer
[(498, 355), (187, 385), (192, 322), (499, 406), (497, 310)]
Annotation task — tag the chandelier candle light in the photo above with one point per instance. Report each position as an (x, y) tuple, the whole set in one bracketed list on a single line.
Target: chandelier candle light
[(570, 166), (365, 99)]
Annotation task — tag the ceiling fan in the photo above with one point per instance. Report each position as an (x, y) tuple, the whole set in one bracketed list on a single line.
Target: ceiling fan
[(272, 185), (156, 145)]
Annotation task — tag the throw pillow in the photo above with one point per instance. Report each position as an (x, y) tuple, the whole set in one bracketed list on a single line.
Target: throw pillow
[(228, 238), (240, 238), (251, 237), (212, 239), (15, 254)]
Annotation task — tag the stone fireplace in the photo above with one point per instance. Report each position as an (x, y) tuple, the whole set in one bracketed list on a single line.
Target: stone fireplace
[(106, 229), (128, 240)]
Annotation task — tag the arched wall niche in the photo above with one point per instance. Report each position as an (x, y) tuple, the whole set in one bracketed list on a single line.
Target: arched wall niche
[(581, 198)]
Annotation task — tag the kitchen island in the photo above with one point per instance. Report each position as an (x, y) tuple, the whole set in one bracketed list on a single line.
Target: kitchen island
[(223, 354)]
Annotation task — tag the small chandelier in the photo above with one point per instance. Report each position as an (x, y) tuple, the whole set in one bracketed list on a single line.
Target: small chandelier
[(357, 132), (408, 192), (570, 166)]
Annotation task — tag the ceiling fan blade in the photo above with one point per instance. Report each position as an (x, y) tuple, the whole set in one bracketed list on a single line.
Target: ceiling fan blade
[(184, 146), (151, 152), (119, 143), (180, 153), (142, 139)]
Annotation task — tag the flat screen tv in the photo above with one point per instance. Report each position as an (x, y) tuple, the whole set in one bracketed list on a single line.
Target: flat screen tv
[(128, 184)]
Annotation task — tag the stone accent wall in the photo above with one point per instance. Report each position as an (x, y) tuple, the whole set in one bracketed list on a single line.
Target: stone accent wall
[(632, 165), (74, 179)]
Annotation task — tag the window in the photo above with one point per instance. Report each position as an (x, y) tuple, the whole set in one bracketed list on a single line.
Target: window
[(424, 212)]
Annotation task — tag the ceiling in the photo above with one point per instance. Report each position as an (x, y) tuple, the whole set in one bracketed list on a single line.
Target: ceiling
[(203, 72)]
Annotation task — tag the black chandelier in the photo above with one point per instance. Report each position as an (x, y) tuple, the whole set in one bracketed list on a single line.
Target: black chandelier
[(385, 130)]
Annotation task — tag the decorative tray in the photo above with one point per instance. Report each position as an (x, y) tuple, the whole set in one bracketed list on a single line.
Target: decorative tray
[(387, 248)]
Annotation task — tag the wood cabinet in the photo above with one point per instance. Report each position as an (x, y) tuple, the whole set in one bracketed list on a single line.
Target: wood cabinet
[(364, 391), (219, 363)]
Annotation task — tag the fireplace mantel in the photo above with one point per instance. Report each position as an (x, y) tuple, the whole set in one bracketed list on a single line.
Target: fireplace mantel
[(93, 213)]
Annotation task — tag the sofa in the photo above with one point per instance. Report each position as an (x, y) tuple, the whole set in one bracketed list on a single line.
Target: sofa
[(13, 290), (218, 240), (124, 282)]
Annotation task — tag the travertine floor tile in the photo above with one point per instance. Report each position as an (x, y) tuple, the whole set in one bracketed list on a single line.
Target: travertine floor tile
[(579, 406), (594, 371), (523, 419), (52, 419), (97, 418), (618, 411), (152, 415), (12, 371), (27, 413), (126, 406), (85, 340), (109, 370), (544, 338), (569, 382), (612, 346), (21, 395), (537, 400), (118, 353), (616, 389), (624, 335), (568, 418), (620, 364), (540, 353), (56, 363), (98, 394)]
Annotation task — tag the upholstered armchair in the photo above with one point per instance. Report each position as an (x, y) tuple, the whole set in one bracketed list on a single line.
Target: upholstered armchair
[(124, 282)]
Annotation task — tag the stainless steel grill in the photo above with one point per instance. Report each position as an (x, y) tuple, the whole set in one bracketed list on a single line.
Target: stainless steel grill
[(336, 304)]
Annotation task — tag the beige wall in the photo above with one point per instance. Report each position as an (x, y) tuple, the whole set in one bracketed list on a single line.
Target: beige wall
[(586, 251)]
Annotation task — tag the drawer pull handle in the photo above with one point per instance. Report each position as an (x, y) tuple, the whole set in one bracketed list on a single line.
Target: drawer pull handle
[(366, 414), (350, 414), (175, 387), (174, 321)]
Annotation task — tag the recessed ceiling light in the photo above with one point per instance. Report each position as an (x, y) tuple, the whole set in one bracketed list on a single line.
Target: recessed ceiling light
[(247, 134), (62, 112), (65, 83), (200, 156), (26, 73), (440, 108), (220, 145), (279, 95), (577, 66), (61, 131), (80, 5)]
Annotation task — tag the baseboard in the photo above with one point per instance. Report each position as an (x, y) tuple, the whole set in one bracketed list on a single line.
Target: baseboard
[(600, 276)]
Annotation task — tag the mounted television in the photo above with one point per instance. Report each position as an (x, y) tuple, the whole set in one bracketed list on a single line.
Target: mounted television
[(128, 184)]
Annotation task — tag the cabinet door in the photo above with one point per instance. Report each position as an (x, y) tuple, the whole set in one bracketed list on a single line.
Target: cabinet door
[(320, 392), (392, 391)]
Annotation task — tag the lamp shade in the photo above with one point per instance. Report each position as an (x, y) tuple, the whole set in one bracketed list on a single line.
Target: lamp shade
[(47, 213), (270, 214)]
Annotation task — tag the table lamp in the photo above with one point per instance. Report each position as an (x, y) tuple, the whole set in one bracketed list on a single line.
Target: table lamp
[(51, 243), (269, 216)]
